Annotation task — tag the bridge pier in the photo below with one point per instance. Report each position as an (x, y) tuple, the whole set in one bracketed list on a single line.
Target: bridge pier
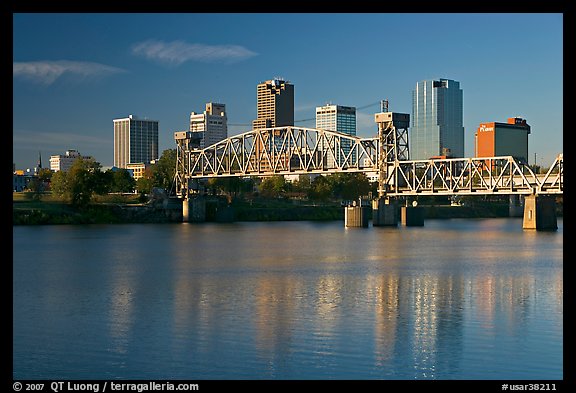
[(384, 212), (412, 216), (356, 216), (194, 209), (540, 213), (224, 214), (515, 208)]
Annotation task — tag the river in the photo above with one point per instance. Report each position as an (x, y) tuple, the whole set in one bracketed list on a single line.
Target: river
[(455, 299)]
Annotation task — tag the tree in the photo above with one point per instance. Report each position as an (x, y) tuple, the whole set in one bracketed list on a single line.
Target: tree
[(231, 186), (122, 181), (40, 183), (273, 187), (303, 184), (164, 170), (146, 182), (59, 183), (350, 186), (80, 182), (320, 189), (45, 175)]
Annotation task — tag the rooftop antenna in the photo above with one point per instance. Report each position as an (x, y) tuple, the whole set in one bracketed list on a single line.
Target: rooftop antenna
[(384, 105)]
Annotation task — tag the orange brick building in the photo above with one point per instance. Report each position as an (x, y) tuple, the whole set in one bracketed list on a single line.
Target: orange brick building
[(503, 139)]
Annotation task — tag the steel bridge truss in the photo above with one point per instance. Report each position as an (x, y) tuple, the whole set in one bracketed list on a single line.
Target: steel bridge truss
[(276, 151), (487, 175), (296, 150)]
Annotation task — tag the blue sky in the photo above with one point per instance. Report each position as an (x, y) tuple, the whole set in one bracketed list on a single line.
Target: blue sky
[(74, 73)]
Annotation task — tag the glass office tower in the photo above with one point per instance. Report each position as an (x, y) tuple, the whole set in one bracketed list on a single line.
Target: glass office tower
[(437, 120)]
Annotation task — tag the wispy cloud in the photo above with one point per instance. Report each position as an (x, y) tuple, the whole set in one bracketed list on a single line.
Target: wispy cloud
[(47, 72), (178, 52), (57, 140)]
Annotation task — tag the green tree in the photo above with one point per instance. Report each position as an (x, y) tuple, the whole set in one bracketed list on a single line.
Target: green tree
[(231, 186), (164, 170), (80, 182), (146, 182), (45, 175), (320, 189), (303, 184), (350, 186), (34, 188), (122, 181), (59, 183), (273, 187), (39, 183)]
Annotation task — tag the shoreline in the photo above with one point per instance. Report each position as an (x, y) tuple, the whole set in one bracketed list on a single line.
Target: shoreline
[(42, 213)]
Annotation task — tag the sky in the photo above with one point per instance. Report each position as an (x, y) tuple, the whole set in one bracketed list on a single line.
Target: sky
[(74, 73)]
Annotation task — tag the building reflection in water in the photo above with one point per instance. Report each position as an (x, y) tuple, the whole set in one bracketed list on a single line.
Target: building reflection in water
[(419, 314), (386, 318)]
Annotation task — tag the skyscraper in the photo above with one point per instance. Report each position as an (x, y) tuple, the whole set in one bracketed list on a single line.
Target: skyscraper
[(275, 104), (337, 118), (437, 120), (135, 141), (213, 124)]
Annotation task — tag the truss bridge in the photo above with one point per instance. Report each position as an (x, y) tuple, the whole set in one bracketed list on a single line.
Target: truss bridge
[(294, 150)]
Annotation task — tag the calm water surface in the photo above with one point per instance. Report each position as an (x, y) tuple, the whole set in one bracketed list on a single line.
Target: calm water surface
[(455, 299)]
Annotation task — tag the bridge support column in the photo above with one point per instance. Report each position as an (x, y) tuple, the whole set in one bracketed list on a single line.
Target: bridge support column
[(194, 209), (384, 212), (356, 216), (224, 214), (540, 213), (412, 216), (515, 208)]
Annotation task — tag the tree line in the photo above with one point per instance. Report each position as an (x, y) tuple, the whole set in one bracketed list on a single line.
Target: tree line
[(342, 186), (85, 179)]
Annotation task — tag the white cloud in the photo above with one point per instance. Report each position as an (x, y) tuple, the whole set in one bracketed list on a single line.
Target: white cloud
[(47, 72), (178, 52), (58, 140)]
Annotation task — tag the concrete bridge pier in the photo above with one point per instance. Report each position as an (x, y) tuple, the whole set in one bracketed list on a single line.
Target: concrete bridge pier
[(515, 208), (194, 209), (356, 216), (384, 212), (412, 216), (540, 213)]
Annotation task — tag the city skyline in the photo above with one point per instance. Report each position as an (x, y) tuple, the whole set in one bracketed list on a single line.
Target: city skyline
[(66, 92)]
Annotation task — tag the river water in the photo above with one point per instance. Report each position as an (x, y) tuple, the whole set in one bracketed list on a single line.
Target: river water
[(455, 299)]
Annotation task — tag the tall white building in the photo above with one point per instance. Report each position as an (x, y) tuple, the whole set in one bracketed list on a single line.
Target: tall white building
[(135, 141), (337, 118), (213, 124), (63, 162)]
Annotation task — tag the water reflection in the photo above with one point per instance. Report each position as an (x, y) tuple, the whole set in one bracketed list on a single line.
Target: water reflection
[(402, 303), (386, 318)]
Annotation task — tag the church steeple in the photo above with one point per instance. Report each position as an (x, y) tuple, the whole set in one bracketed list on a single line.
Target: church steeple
[(39, 160)]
